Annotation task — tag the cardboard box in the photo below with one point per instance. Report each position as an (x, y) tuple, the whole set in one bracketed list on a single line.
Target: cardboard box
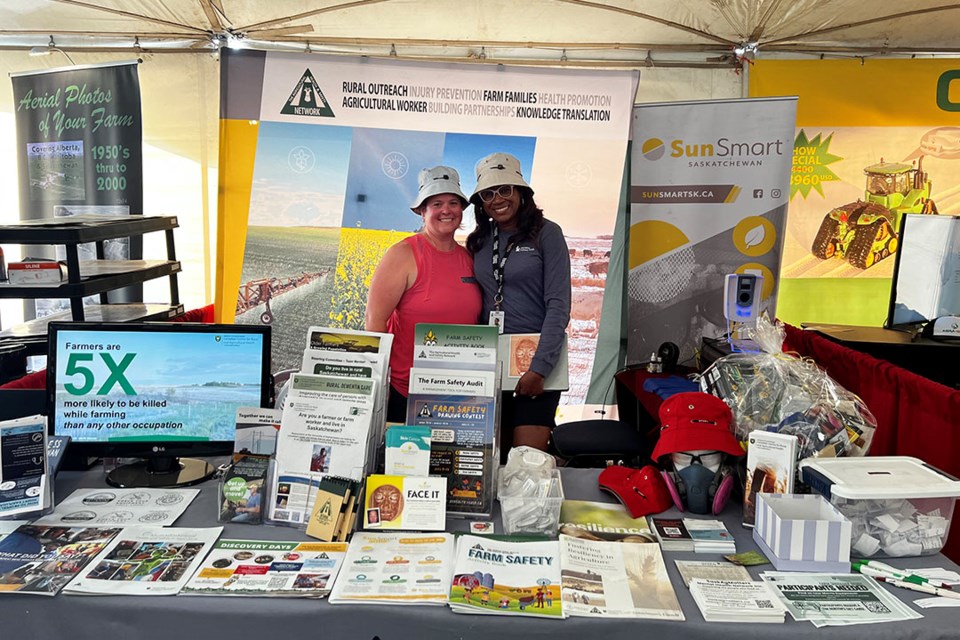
[(802, 533), (36, 272)]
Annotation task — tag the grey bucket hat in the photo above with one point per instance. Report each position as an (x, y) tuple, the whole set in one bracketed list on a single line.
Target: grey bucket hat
[(436, 180), (497, 169)]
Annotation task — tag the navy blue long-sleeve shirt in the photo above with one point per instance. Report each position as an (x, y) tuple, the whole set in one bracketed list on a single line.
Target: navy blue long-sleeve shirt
[(536, 290)]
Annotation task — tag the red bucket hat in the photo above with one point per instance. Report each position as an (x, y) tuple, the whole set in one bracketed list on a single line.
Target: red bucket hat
[(694, 421), (642, 491)]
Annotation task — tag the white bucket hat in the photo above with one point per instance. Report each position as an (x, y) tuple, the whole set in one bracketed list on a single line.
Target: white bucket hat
[(439, 179), (497, 169)]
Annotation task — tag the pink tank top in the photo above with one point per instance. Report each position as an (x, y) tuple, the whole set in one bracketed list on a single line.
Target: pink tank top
[(445, 292)]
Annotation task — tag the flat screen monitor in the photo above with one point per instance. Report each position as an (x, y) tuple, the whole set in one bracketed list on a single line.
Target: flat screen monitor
[(926, 274), (155, 391)]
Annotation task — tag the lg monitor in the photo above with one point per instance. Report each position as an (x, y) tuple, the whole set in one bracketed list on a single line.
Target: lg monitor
[(926, 274), (155, 391)]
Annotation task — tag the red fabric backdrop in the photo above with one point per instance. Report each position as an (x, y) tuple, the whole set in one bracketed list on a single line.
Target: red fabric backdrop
[(915, 416)]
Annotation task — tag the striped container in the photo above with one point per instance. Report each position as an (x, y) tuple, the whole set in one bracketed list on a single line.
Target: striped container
[(802, 533)]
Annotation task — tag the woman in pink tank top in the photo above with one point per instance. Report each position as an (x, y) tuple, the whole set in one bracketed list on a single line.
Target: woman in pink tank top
[(427, 277)]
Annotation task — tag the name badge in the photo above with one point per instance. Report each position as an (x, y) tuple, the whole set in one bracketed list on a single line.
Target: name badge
[(496, 320)]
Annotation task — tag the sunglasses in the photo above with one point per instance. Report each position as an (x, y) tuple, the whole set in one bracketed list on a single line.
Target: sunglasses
[(504, 191)]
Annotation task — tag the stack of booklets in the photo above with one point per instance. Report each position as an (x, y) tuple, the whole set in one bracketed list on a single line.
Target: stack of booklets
[(736, 601), (710, 536), (146, 561), (268, 568), (511, 578), (395, 568), (454, 391), (332, 421), (615, 580), (672, 534)]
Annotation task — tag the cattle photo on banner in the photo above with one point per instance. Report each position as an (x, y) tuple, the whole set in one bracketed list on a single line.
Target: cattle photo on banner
[(708, 196), (79, 152), (864, 155), (319, 164)]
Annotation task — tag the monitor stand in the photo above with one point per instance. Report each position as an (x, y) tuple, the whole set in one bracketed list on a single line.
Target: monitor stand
[(161, 472)]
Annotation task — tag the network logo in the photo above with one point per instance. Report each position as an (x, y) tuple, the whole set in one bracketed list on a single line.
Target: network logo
[(653, 149)]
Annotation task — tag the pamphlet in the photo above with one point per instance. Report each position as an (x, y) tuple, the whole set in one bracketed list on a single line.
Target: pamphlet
[(603, 521), (56, 447), (395, 568), (416, 503), (348, 340), (257, 431), (455, 346), (408, 450), (516, 354), (145, 561), (736, 601), (613, 580), (23, 466), (836, 598), (268, 568), (41, 560), (672, 534), (771, 468), (461, 447), (452, 382), (507, 578), (326, 427), (706, 570), (121, 507), (241, 489), (9, 526), (710, 536)]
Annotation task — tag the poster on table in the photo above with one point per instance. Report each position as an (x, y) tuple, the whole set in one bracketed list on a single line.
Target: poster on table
[(864, 154), (320, 157), (79, 150), (708, 196)]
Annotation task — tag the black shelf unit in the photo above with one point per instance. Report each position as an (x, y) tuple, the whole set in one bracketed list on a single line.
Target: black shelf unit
[(89, 278)]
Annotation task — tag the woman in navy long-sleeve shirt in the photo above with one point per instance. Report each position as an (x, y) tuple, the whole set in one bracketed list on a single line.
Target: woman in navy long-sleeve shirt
[(523, 267)]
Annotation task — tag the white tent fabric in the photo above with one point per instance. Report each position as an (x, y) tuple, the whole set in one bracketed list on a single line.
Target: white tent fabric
[(686, 49)]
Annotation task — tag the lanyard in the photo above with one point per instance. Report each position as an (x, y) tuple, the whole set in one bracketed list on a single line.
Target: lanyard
[(498, 265)]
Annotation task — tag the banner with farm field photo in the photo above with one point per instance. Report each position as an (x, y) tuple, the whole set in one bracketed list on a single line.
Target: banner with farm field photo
[(708, 196), (874, 140), (319, 164)]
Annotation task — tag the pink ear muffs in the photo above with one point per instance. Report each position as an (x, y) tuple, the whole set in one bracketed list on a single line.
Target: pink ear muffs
[(672, 488)]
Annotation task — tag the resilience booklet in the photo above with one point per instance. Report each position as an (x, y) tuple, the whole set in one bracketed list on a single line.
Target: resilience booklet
[(268, 568), (42, 560), (603, 521), (395, 568), (146, 561), (613, 580), (500, 577)]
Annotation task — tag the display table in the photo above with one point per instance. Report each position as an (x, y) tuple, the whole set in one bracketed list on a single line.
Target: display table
[(194, 617)]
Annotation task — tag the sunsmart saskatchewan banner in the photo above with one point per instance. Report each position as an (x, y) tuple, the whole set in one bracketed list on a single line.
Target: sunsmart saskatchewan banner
[(708, 195), (875, 139), (319, 164), (79, 135)]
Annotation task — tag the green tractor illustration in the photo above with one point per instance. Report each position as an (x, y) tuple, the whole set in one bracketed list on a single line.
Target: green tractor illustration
[(864, 232)]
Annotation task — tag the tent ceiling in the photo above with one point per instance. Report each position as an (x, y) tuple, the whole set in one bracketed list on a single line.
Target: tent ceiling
[(576, 32)]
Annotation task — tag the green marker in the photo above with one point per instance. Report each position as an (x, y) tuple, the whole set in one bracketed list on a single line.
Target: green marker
[(882, 570)]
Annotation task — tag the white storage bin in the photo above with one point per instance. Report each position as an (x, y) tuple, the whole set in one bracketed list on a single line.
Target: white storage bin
[(898, 506)]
